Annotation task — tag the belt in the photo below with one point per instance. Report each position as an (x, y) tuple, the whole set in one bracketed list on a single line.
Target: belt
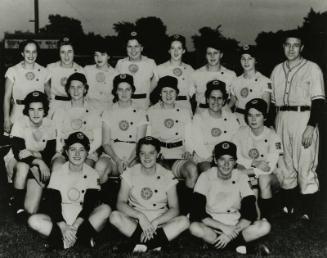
[(201, 105), (139, 96), (19, 102), (181, 98), (170, 145), (240, 110), (62, 98), (294, 108), (131, 142)]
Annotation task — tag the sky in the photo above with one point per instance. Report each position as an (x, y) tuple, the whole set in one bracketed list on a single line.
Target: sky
[(240, 19)]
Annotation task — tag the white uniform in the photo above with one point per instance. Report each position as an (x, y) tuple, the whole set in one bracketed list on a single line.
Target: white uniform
[(223, 197), (297, 87), (100, 85), (24, 82), (183, 73), (142, 71), (123, 124), (245, 89), (72, 187), (148, 194)]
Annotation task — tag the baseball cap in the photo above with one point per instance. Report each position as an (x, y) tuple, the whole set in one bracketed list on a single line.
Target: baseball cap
[(258, 104), (65, 41), (78, 137), (123, 77), (35, 96), (168, 81), (216, 85), (148, 140), (215, 44), (225, 148), (76, 77), (247, 49)]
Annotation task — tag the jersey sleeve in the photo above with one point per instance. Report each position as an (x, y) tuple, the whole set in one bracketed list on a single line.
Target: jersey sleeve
[(10, 74), (170, 180), (119, 66), (317, 83), (93, 180)]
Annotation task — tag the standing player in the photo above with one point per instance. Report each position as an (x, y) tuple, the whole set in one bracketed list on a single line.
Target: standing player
[(249, 85), (176, 68), (142, 68), (147, 201), (213, 70), (73, 213), (100, 77), (224, 205), (21, 79), (298, 93), (59, 72)]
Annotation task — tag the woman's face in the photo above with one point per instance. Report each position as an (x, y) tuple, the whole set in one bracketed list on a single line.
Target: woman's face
[(66, 53), (247, 62), (76, 90), (124, 92), (76, 154), (148, 156), (30, 53), (134, 49), (176, 50), (101, 59), (216, 100), (168, 95), (36, 112)]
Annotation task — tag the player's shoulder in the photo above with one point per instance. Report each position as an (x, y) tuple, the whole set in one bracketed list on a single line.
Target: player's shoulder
[(208, 175), (89, 171), (200, 69), (88, 68), (53, 65), (164, 173), (228, 71), (60, 171), (163, 65), (238, 176), (15, 67)]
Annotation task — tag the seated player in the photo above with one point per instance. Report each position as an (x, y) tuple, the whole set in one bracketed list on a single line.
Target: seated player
[(33, 140), (78, 114), (73, 213), (147, 205), (224, 212), (122, 126), (211, 126), (258, 150)]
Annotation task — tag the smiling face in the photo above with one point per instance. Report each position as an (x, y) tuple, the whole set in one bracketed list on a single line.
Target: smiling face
[(76, 154), (76, 90), (216, 101), (292, 49), (168, 95), (225, 164), (248, 62), (213, 56), (176, 50), (124, 92), (134, 49), (148, 156), (30, 53), (66, 53), (36, 112), (101, 59), (255, 118)]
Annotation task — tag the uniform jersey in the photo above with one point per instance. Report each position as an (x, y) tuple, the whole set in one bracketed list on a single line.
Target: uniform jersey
[(169, 125), (72, 187), (148, 193), (202, 76), (123, 124), (267, 147), (208, 131), (223, 197)]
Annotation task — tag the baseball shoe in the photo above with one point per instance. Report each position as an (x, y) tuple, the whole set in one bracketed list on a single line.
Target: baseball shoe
[(241, 249), (139, 248), (157, 249)]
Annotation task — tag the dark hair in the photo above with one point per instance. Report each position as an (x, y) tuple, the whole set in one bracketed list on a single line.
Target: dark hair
[(119, 79), (177, 37), (148, 140), (23, 44), (77, 77), (36, 96), (101, 47), (216, 85)]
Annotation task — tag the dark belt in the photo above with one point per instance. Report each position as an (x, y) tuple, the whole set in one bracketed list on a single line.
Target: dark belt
[(170, 145), (62, 98), (19, 102), (131, 142), (240, 110), (139, 96), (181, 98), (294, 108), (201, 105)]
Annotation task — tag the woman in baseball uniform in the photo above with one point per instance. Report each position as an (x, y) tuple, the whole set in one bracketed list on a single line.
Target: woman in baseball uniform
[(147, 204), (78, 114), (59, 73), (33, 140), (142, 68), (258, 150), (249, 85), (100, 77), (122, 127), (21, 79), (224, 212), (73, 213), (177, 68)]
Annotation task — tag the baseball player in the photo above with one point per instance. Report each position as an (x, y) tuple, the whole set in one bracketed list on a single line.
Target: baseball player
[(33, 141), (224, 212), (77, 115), (122, 127), (213, 70), (176, 68), (21, 79), (249, 85), (167, 123), (142, 68), (100, 77), (258, 150), (59, 72), (298, 93), (212, 126), (147, 204), (72, 214)]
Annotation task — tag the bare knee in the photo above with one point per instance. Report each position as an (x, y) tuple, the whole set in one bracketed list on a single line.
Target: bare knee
[(34, 222), (183, 222), (263, 227), (196, 229), (104, 211), (115, 218)]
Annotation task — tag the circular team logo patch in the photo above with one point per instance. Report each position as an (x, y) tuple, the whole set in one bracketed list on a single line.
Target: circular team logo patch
[(244, 92), (169, 123), (73, 194), (123, 125), (100, 77), (146, 193), (177, 71), (133, 68), (63, 81), (253, 153), (37, 135), (30, 76), (215, 132), (225, 146), (76, 124)]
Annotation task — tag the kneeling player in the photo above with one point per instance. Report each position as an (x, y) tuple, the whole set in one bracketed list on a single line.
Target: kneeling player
[(225, 213), (72, 198), (147, 201)]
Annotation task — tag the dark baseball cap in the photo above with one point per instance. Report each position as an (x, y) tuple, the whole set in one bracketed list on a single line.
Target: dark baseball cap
[(35, 96), (168, 81), (76, 77), (247, 49), (258, 104), (78, 137), (124, 77), (225, 148)]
